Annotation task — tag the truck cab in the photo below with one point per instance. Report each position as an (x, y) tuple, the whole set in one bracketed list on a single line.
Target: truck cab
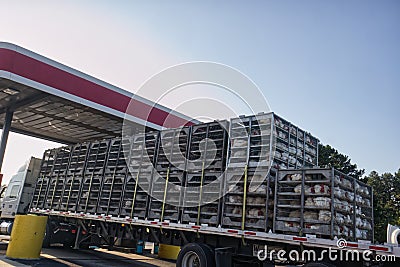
[(18, 194)]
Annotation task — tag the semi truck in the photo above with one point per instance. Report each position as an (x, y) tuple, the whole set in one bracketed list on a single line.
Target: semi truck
[(17, 195), (247, 191)]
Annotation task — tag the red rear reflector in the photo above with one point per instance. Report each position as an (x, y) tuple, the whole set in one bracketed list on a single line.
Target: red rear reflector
[(73, 231), (250, 233), (154, 222), (304, 239), (379, 248), (129, 220), (83, 232), (196, 227), (164, 223), (352, 245), (233, 231)]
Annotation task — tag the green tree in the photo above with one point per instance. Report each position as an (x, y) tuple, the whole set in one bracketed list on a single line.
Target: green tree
[(330, 157), (386, 201)]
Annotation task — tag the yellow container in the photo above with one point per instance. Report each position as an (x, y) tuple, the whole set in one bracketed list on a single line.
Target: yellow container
[(168, 252), (26, 237)]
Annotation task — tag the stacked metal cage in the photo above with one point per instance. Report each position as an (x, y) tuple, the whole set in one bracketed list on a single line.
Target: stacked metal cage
[(57, 178), (323, 202), (247, 202), (168, 176), (204, 173), (46, 169), (93, 176), (115, 170), (294, 148), (363, 209), (71, 192), (140, 152)]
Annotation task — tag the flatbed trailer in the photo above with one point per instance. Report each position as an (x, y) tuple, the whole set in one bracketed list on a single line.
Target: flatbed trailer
[(226, 244), (90, 193)]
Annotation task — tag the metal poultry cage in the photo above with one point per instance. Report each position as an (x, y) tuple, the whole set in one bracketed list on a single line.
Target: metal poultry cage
[(323, 202)]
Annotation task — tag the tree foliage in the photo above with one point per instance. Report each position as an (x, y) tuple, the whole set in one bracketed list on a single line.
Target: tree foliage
[(330, 157), (386, 201)]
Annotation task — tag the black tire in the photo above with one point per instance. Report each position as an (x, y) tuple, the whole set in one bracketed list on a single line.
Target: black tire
[(201, 253), (47, 236)]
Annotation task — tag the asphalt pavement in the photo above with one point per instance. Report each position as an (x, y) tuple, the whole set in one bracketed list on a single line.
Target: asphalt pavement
[(62, 257)]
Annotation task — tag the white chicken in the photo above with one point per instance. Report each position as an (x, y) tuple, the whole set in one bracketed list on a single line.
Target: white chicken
[(235, 199), (311, 226), (310, 215), (322, 202), (256, 212), (324, 216), (237, 211), (292, 224), (309, 202), (321, 189), (128, 204), (294, 177), (297, 189)]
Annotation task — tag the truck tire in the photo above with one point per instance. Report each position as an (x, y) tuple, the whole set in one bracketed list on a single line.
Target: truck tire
[(195, 255), (47, 236)]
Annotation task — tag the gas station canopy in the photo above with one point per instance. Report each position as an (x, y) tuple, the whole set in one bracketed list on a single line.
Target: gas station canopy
[(49, 100), (42, 98)]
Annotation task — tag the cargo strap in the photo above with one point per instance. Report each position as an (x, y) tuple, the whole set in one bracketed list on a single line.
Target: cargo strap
[(70, 191), (201, 194), (112, 185), (54, 190), (89, 191), (244, 197), (134, 194), (165, 196)]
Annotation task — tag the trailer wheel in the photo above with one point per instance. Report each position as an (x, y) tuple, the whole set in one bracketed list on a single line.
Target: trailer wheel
[(47, 236), (195, 255)]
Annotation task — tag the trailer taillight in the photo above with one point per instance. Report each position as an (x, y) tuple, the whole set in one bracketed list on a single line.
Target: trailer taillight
[(379, 248), (303, 239), (250, 233)]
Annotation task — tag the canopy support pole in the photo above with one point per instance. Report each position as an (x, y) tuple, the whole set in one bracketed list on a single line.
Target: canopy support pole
[(4, 135)]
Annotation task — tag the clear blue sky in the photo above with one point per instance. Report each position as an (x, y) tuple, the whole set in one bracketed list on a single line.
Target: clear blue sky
[(331, 67)]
